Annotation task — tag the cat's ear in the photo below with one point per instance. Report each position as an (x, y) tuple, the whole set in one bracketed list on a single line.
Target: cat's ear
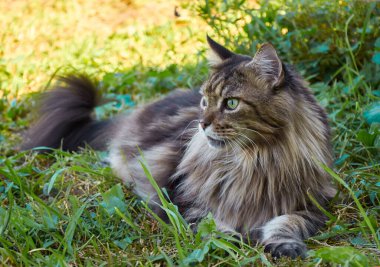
[(217, 53), (267, 64)]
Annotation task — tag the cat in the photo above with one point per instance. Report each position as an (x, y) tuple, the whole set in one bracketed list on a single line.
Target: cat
[(248, 147)]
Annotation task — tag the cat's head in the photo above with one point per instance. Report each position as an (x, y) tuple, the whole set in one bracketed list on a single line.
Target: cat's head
[(245, 99)]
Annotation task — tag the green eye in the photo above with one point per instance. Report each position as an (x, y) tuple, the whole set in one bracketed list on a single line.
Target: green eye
[(232, 103)]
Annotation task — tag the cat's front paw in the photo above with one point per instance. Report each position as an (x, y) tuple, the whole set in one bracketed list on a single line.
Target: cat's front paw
[(291, 248)]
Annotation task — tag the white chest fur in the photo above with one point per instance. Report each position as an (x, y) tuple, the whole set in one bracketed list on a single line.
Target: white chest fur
[(227, 182)]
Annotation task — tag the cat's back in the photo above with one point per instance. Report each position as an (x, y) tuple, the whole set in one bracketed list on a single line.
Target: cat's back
[(160, 121), (160, 130)]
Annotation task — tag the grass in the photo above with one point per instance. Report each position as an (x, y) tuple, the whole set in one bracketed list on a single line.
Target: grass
[(69, 209)]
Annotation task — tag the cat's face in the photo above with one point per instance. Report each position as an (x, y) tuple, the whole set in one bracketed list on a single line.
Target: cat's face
[(244, 103)]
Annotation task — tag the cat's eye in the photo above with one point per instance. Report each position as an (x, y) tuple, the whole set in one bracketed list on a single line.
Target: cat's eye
[(203, 102), (232, 103)]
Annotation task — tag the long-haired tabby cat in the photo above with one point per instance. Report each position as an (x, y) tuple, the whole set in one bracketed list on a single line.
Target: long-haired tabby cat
[(248, 147)]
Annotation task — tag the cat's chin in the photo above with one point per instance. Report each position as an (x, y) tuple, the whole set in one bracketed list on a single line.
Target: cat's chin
[(214, 143)]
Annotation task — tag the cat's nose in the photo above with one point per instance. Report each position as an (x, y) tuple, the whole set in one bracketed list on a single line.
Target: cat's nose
[(204, 124)]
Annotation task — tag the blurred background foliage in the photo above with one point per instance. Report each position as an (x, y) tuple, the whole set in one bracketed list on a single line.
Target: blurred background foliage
[(325, 40)]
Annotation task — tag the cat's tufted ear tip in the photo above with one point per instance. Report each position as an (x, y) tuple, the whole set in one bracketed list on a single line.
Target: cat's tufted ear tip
[(217, 53), (267, 62), (209, 39), (266, 48)]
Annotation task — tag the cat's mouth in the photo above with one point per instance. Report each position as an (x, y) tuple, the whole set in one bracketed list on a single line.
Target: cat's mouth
[(216, 143)]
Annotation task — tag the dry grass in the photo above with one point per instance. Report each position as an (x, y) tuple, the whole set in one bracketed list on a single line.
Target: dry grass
[(41, 37)]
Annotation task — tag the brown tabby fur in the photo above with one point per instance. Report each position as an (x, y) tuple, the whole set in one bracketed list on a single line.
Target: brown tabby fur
[(252, 167)]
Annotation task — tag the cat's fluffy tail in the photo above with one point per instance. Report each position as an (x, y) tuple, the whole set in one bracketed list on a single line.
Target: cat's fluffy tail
[(65, 120)]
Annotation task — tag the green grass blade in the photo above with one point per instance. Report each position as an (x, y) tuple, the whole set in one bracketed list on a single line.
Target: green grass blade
[(74, 222), (357, 202)]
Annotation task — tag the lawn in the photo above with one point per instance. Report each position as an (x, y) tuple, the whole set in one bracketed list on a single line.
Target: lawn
[(68, 209)]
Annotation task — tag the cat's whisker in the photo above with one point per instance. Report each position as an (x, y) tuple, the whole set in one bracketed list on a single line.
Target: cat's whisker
[(259, 160), (256, 133), (186, 128), (230, 141), (242, 128), (249, 140), (252, 130), (190, 130), (254, 145), (244, 151)]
